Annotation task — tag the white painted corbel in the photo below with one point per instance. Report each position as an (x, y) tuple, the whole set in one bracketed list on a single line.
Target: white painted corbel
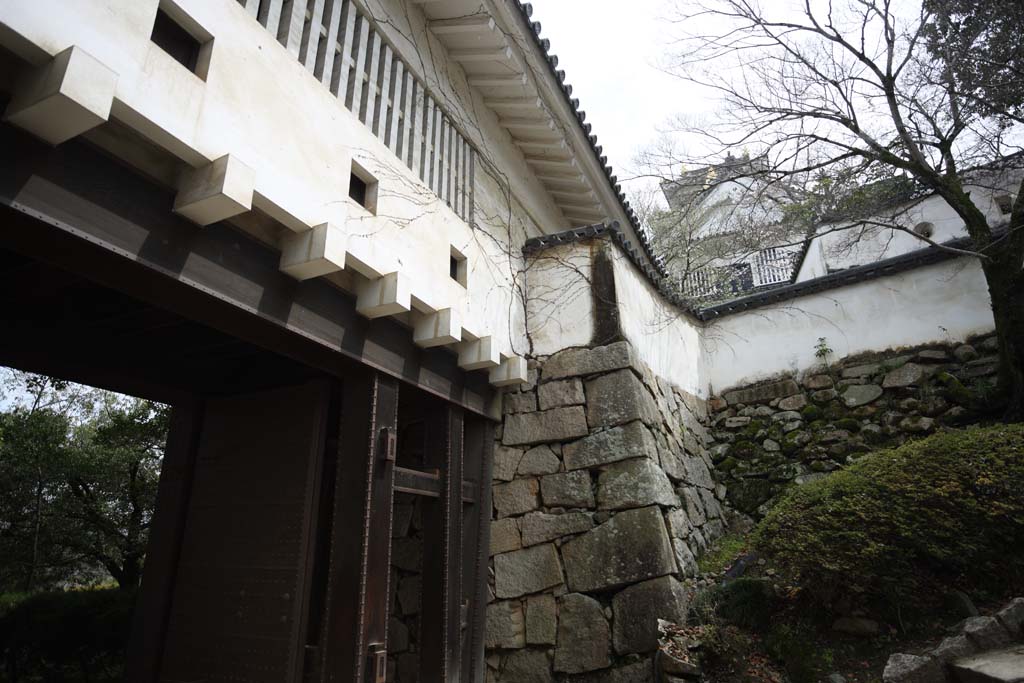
[(438, 329), (316, 252), (388, 295), (511, 372), (67, 96), (481, 354), (216, 191)]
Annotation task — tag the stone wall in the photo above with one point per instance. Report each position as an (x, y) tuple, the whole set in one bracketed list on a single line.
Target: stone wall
[(603, 497), (799, 427)]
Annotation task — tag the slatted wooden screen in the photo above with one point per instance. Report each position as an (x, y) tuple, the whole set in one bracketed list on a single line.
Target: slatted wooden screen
[(340, 46)]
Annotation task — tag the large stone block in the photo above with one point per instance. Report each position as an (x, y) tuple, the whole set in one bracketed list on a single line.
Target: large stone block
[(516, 497), (903, 376), (697, 473), (540, 527), (568, 489), (637, 672), (618, 398), (526, 571), (505, 536), (633, 484), (904, 668), (632, 546), (633, 440), (506, 626), (539, 460), (861, 394), (527, 666), (559, 424), (582, 635), (541, 620), (581, 362), (638, 608), (567, 392), (762, 393), (506, 462)]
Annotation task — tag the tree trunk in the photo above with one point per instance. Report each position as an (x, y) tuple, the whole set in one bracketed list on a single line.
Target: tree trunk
[(1006, 289)]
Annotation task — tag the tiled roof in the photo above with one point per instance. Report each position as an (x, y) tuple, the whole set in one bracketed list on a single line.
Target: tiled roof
[(526, 10)]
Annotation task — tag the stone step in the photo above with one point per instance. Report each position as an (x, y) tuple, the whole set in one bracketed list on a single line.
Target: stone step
[(995, 666)]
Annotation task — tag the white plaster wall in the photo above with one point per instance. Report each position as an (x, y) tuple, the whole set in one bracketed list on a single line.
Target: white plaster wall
[(666, 339), (560, 306), (259, 104), (944, 302), (840, 248)]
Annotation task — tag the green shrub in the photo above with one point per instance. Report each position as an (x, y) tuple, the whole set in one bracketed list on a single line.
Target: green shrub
[(896, 528), (67, 636), (745, 602)]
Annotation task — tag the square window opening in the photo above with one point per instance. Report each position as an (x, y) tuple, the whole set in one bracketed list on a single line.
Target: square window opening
[(362, 188), (458, 267), (182, 38)]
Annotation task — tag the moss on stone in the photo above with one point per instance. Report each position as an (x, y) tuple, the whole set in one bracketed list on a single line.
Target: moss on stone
[(955, 389), (848, 423), (811, 413), (744, 450)]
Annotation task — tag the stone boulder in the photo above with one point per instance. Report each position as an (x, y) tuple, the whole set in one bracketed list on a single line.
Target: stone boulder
[(904, 668), (618, 398), (505, 536), (583, 635), (558, 424), (903, 376), (762, 393), (632, 440), (632, 546), (633, 484), (638, 608), (861, 394)]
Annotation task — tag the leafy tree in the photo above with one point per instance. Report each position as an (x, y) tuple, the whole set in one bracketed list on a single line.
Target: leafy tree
[(872, 94), (78, 477)]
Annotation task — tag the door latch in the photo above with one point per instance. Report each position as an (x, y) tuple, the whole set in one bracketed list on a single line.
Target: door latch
[(378, 663), (388, 444)]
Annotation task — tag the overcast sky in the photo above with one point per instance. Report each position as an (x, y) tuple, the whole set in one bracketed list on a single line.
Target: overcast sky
[(610, 50)]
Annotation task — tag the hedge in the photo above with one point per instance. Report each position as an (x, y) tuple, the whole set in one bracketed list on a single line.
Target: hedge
[(898, 528)]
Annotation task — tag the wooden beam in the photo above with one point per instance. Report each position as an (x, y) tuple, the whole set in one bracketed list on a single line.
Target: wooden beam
[(470, 24), (520, 123), (527, 102), (554, 164), (486, 54), (478, 451), (498, 81)]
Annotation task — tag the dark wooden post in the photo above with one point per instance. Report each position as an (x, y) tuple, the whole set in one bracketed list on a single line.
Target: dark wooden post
[(164, 547), (355, 636), (442, 554), (479, 451)]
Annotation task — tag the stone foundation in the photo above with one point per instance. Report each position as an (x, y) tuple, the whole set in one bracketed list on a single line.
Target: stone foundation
[(800, 427), (603, 497)]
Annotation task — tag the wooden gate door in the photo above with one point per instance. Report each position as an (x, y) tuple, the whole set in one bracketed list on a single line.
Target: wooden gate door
[(237, 611)]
